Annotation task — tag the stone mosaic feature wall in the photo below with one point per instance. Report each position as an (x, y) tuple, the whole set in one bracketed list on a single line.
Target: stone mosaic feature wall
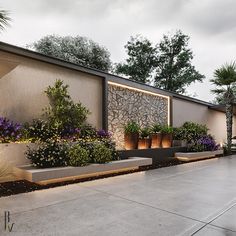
[(126, 104)]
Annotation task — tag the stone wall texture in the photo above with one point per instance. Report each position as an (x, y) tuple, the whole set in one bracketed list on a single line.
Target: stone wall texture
[(126, 104)]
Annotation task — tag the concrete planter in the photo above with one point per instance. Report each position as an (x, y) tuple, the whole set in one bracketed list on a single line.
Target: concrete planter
[(192, 156), (58, 174), (14, 153)]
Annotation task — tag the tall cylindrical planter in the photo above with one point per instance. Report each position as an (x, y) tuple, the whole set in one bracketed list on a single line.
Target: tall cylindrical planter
[(156, 140), (131, 141), (167, 140)]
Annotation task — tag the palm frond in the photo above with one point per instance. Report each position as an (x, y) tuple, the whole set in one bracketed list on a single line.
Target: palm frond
[(218, 91), (4, 19), (225, 75)]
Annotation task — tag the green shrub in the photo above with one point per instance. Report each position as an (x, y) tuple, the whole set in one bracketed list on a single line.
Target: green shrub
[(101, 154), (179, 133), (78, 156), (87, 131), (131, 127), (39, 130), (193, 131), (63, 113), (50, 154)]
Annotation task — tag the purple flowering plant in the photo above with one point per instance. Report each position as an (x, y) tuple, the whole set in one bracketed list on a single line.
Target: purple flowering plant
[(9, 131), (103, 134), (205, 143)]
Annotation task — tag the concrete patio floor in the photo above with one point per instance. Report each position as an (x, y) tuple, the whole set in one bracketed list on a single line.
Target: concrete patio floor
[(192, 199)]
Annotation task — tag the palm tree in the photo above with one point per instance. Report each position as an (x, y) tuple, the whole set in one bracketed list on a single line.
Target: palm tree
[(225, 80), (4, 19)]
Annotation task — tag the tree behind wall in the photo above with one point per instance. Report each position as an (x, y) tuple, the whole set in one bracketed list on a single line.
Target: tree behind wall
[(174, 69), (140, 62), (79, 50), (225, 81)]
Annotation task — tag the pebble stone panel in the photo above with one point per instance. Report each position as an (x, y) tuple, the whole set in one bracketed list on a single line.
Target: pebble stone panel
[(126, 104)]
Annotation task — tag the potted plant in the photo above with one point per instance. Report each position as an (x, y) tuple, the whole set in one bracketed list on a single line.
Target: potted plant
[(144, 139), (131, 135), (167, 136), (156, 136)]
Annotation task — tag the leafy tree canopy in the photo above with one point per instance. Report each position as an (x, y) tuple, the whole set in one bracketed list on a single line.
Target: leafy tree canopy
[(141, 60), (168, 64), (78, 50), (174, 70)]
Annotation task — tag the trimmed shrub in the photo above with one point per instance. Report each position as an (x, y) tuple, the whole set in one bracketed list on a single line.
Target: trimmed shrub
[(78, 156), (101, 154), (39, 130), (193, 131), (50, 154)]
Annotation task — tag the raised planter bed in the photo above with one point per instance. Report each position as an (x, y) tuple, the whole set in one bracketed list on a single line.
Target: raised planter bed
[(48, 175), (158, 155), (193, 156), (14, 153)]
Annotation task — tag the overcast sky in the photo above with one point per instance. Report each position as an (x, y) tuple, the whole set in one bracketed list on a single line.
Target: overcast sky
[(211, 25)]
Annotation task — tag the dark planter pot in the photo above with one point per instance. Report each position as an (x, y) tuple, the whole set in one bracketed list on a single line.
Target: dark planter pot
[(179, 143), (131, 141), (144, 143), (167, 140), (156, 140)]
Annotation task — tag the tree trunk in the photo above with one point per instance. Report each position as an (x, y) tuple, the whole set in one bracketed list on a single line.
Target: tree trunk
[(229, 125)]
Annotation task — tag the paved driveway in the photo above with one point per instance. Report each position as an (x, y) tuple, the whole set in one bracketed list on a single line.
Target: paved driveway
[(191, 199)]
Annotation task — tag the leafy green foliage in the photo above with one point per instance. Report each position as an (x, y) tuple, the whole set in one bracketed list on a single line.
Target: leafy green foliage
[(78, 50), (179, 133), (39, 130), (174, 70), (87, 131), (50, 154), (191, 131), (4, 19), (78, 156), (101, 154), (145, 132), (140, 62), (156, 128), (131, 127), (63, 113), (167, 129), (225, 81), (168, 64)]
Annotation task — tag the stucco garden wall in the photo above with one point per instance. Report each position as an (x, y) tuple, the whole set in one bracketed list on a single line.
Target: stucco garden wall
[(189, 111), (21, 90), (126, 104)]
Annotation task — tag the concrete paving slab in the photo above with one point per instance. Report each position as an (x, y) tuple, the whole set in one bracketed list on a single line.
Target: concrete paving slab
[(190, 199), (227, 220), (214, 231)]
